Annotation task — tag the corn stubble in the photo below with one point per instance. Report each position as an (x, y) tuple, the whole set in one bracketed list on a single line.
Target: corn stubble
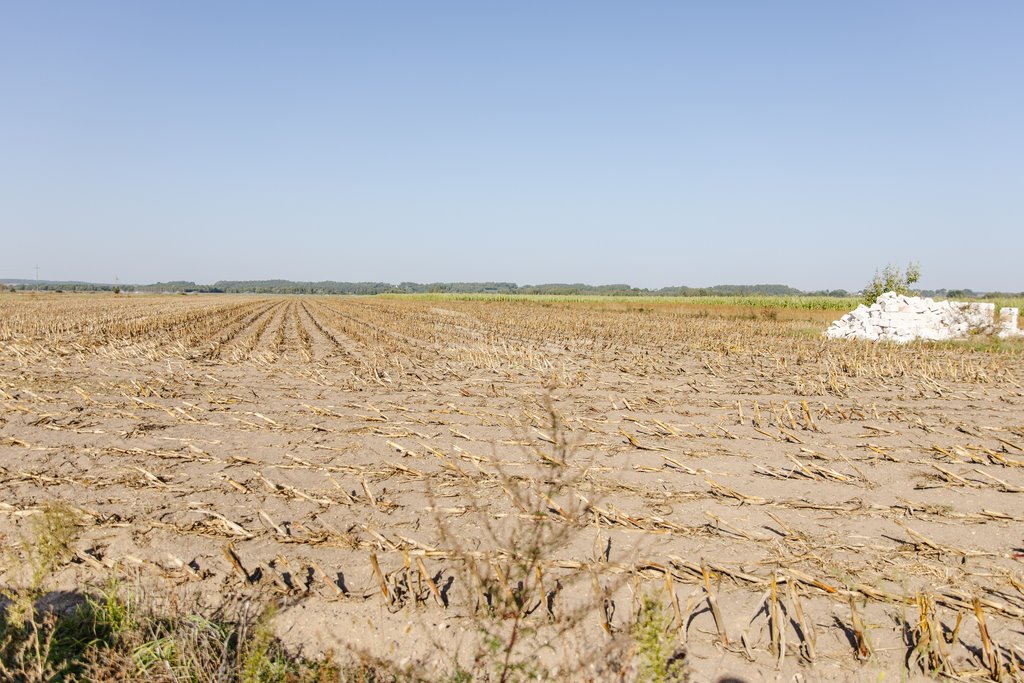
[(489, 489)]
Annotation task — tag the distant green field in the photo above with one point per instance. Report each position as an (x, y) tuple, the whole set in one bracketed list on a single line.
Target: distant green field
[(807, 303), (791, 302), (1014, 302)]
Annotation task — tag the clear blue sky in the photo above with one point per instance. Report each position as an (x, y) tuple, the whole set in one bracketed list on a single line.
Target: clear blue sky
[(651, 143)]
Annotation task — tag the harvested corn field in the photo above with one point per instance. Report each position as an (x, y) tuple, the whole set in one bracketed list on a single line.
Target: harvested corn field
[(513, 489)]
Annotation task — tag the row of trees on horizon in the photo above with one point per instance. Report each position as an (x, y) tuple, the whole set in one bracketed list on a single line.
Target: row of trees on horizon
[(370, 288)]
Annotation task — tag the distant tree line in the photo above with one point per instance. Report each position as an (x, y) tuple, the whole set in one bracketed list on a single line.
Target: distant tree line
[(44, 286), (369, 288), (331, 287)]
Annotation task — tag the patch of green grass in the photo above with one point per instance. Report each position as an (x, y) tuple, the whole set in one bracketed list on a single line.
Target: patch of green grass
[(263, 660), (804, 331), (986, 343), (109, 636), (102, 641)]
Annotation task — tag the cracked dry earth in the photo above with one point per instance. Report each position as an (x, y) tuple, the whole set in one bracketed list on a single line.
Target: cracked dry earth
[(803, 509)]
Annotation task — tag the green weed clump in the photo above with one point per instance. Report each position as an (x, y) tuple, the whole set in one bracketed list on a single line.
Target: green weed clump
[(116, 634), (659, 659)]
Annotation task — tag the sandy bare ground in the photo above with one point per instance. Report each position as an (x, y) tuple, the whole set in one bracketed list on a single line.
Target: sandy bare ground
[(377, 466)]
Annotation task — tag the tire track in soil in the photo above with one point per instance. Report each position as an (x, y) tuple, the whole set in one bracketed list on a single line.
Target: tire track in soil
[(398, 318), (577, 350), (199, 329), (179, 332), (243, 343), (407, 355), (426, 340), (289, 343), (267, 347), (235, 327), (280, 342), (338, 343), (306, 342), (393, 355)]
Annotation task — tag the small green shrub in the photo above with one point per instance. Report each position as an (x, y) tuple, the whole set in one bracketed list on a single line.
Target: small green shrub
[(113, 635), (892, 279)]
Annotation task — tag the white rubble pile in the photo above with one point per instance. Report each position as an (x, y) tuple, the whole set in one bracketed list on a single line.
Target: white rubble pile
[(899, 318)]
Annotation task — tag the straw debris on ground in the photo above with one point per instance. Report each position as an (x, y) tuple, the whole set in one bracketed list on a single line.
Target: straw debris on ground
[(504, 490)]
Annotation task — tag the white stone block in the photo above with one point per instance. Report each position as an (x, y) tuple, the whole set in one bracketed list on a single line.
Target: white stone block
[(1009, 323)]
